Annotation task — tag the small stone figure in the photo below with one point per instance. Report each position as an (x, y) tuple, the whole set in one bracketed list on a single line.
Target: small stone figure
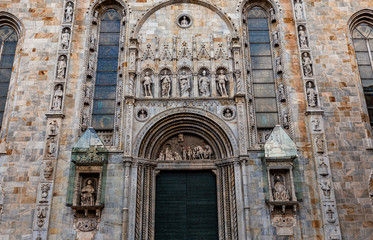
[(316, 125), (184, 84), (275, 39), (95, 17), (311, 95), (307, 65), (61, 68), (168, 156), (208, 152), (279, 69), (53, 126), (147, 82), (166, 85), (91, 65), (285, 120), (69, 13), (161, 156), (65, 39), (298, 8), (204, 85), (184, 22), (319, 144), (87, 92), (325, 187), (177, 156), (92, 42), (48, 170), (51, 147), (142, 114), (273, 15), (303, 41), (222, 79), (57, 98), (280, 192), (228, 113), (85, 121), (323, 168), (87, 194), (281, 92), (189, 153)]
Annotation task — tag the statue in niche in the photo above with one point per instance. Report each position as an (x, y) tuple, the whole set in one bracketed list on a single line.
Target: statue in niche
[(275, 39), (87, 194), (311, 95), (204, 85), (285, 120), (281, 92), (302, 37), (184, 84), (57, 98), (280, 192), (222, 79), (168, 155), (92, 42), (166, 85), (307, 65), (298, 8), (325, 187), (91, 63), (316, 124), (65, 39), (69, 13), (51, 147), (61, 67), (147, 82), (272, 14), (279, 69), (53, 126), (87, 92)]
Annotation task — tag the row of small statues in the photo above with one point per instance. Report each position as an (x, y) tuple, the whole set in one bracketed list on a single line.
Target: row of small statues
[(188, 153), (185, 85)]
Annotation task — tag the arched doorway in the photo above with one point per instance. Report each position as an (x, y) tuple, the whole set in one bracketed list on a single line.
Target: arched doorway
[(185, 163)]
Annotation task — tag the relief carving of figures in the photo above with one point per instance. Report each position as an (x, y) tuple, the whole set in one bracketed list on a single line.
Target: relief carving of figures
[(298, 8), (279, 69), (41, 215), (48, 170), (69, 12), (323, 167), (51, 147), (166, 85), (307, 65), (87, 194), (280, 192), (316, 124), (275, 39), (65, 39), (285, 120), (319, 142), (325, 187), (204, 85), (222, 80), (281, 92), (303, 39), (311, 95), (168, 156), (92, 42), (147, 83), (61, 67), (44, 190), (184, 84), (53, 127), (330, 213), (57, 98)]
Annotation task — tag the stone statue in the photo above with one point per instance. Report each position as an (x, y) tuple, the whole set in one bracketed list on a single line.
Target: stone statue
[(302, 37), (57, 98), (285, 120), (61, 67), (204, 85), (319, 143), (298, 8), (92, 42), (280, 192), (208, 152), (189, 153), (53, 128), (147, 82), (48, 170), (69, 13), (184, 84), (177, 156), (311, 95), (222, 79), (51, 147), (143, 114), (307, 65), (272, 14), (166, 85), (184, 22), (281, 92), (91, 63), (316, 124), (275, 39), (87, 194), (168, 155), (65, 38), (323, 168), (279, 69), (161, 156)]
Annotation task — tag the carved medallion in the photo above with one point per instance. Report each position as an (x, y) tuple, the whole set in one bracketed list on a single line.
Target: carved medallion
[(184, 21), (228, 113)]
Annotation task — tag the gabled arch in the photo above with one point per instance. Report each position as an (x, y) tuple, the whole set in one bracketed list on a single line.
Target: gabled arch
[(224, 16), (102, 5), (247, 4), (362, 16)]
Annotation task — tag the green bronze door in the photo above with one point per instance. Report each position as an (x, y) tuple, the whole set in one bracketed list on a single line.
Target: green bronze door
[(186, 207)]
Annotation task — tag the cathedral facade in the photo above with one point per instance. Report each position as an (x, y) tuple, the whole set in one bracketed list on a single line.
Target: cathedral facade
[(186, 119)]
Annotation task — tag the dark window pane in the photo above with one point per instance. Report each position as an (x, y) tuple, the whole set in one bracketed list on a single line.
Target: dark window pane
[(105, 92), (257, 24), (6, 61), (9, 47), (366, 71), (266, 120), (3, 91), (5, 75), (266, 105), (106, 78), (261, 62), (369, 99), (258, 36), (263, 76), (108, 52), (370, 112), (363, 58), (103, 122), (111, 15), (367, 83), (110, 26), (109, 39), (107, 65), (264, 90), (2, 103), (104, 107), (260, 49)]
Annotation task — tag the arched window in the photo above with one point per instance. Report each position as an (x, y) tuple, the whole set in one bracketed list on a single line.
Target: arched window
[(8, 40), (363, 42), (262, 69), (103, 113)]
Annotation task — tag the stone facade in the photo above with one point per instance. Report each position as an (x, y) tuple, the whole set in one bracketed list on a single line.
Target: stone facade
[(185, 100)]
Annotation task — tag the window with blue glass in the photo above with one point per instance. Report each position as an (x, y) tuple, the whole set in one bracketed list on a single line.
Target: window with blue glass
[(107, 71), (262, 68), (363, 42), (8, 38)]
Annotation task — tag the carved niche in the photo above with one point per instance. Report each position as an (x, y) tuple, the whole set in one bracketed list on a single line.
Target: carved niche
[(185, 147)]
